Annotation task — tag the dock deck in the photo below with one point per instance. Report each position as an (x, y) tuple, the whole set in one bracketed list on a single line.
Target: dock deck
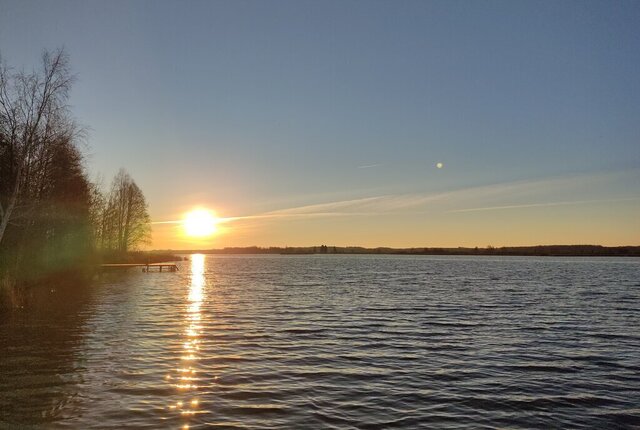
[(171, 267)]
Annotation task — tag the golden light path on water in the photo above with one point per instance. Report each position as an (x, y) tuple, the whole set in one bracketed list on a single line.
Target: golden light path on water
[(186, 378)]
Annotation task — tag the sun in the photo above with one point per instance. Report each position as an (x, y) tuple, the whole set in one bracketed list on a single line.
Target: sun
[(200, 223)]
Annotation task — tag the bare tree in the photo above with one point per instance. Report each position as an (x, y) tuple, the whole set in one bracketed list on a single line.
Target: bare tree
[(34, 122), (126, 222)]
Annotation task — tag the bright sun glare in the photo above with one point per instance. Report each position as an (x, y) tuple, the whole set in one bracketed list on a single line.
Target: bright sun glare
[(200, 223)]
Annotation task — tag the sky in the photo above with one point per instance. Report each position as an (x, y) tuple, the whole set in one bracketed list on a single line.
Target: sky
[(322, 122)]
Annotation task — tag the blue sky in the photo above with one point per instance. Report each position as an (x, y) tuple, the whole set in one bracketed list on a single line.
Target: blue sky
[(250, 107)]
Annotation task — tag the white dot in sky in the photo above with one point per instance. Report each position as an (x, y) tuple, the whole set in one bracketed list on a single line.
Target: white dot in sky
[(439, 165)]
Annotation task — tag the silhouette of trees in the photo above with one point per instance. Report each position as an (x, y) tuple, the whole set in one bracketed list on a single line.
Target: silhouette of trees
[(60, 222), (44, 192), (121, 218), (52, 218), (35, 125)]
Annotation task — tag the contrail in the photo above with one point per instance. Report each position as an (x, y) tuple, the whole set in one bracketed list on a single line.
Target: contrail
[(369, 166), (222, 220), (536, 205), (390, 203)]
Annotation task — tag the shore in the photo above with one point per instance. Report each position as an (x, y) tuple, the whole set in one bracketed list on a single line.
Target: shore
[(533, 251)]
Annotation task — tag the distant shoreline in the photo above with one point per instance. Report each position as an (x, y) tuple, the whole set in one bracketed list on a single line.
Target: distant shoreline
[(532, 251)]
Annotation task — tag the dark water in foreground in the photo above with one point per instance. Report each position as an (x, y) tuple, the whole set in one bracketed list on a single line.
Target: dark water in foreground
[(334, 342)]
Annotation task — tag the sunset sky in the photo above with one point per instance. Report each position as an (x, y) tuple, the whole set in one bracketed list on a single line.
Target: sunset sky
[(302, 123)]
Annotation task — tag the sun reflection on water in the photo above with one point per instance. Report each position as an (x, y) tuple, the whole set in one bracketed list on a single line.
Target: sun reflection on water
[(185, 380)]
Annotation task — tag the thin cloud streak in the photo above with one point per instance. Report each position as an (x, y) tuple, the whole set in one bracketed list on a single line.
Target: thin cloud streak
[(369, 166), (267, 216), (535, 205), (396, 202), (393, 203)]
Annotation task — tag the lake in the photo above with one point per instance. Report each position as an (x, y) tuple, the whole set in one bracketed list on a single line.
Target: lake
[(333, 341)]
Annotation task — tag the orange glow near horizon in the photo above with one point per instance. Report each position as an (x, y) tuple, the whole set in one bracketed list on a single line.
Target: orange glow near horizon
[(200, 223)]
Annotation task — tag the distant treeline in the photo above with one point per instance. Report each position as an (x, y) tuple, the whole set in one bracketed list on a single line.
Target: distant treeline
[(54, 221), (540, 250)]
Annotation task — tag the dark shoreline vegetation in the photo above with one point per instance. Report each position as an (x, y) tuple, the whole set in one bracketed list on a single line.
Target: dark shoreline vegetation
[(533, 251), (56, 226)]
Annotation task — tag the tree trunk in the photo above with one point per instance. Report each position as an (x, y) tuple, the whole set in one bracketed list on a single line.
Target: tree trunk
[(12, 204)]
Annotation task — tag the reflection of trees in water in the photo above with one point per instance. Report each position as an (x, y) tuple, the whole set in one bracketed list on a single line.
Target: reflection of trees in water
[(39, 362)]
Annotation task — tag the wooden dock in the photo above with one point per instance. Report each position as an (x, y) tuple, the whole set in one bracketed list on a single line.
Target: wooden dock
[(170, 267)]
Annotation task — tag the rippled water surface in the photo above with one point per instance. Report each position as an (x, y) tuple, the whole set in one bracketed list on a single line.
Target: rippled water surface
[(333, 342)]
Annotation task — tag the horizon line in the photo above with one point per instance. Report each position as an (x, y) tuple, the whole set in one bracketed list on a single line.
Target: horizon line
[(395, 248)]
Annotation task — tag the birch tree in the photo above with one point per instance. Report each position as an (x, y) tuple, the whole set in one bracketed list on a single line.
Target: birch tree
[(34, 118), (126, 219)]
